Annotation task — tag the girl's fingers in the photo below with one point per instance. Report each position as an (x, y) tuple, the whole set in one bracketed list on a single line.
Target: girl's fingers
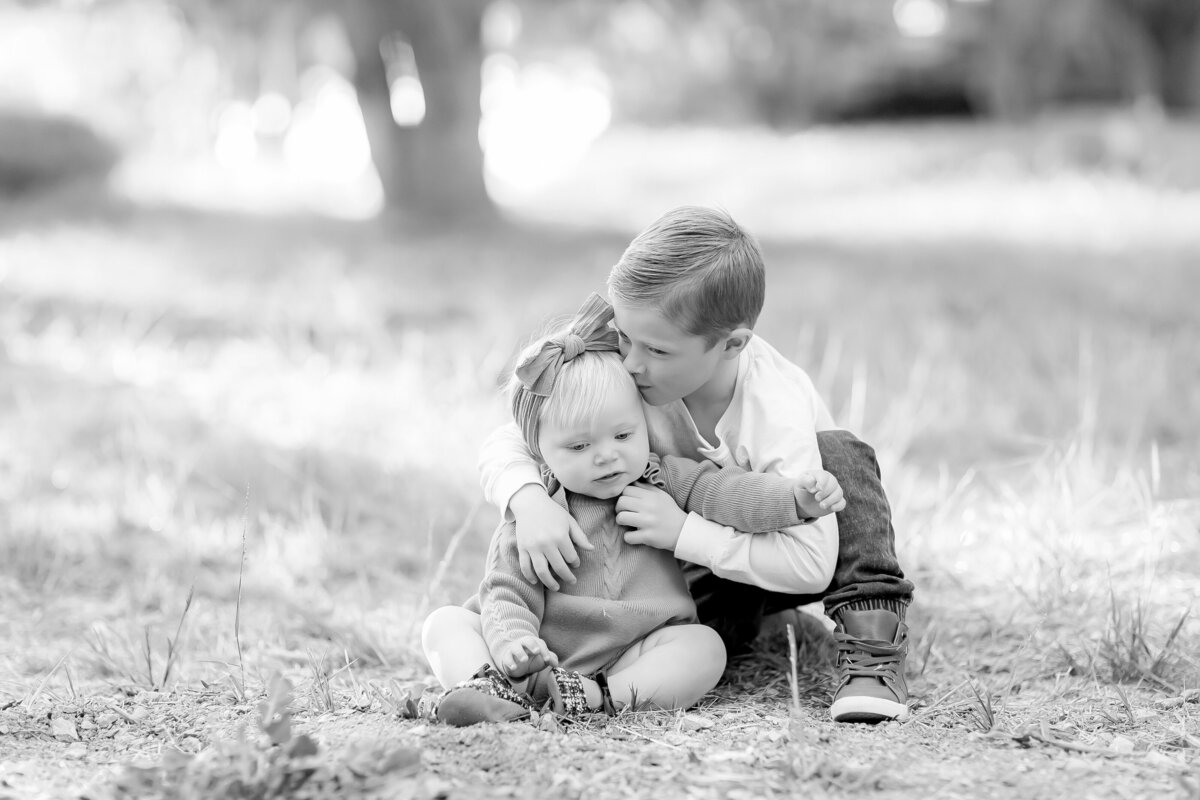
[(626, 503)]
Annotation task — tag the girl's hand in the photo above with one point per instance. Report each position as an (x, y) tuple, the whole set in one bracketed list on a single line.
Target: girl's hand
[(526, 656), (546, 537), (818, 493), (655, 517)]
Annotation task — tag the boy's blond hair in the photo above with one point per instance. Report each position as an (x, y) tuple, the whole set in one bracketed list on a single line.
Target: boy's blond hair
[(582, 386), (698, 267)]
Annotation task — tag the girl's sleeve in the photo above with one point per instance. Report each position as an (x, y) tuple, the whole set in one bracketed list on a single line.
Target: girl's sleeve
[(750, 502), (505, 465), (509, 607)]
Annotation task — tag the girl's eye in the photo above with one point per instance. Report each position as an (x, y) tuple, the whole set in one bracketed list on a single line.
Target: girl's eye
[(577, 447), (620, 437)]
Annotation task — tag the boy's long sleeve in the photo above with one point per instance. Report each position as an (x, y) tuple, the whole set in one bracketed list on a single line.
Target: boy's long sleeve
[(751, 502), (505, 465), (769, 427), (795, 560)]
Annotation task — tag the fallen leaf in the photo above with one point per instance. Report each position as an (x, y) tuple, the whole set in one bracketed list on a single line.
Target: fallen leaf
[(274, 716), (301, 746), (1161, 759), (63, 730), (410, 708), (278, 727), (1121, 744), (403, 760), (175, 759)]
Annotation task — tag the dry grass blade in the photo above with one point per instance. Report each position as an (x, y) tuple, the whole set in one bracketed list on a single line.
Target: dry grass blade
[(793, 673), (1125, 644), (173, 643), (148, 655), (439, 573), (982, 712), (240, 684), (29, 699), (322, 692), (1160, 662)]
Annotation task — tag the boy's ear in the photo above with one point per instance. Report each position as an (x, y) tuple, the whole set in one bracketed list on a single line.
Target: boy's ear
[(736, 341)]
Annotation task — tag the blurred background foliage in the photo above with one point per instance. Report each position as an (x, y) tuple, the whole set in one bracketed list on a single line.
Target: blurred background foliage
[(435, 107)]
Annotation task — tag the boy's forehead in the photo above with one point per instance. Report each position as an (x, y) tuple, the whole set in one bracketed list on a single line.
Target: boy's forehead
[(645, 321)]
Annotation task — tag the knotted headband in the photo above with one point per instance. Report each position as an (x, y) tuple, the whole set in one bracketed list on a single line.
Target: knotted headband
[(537, 373), (588, 331)]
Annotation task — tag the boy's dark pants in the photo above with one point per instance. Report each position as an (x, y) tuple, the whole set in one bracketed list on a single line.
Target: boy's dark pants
[(867, 574)]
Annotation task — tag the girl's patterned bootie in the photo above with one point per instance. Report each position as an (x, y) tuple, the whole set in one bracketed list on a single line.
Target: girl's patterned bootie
[(487, 696), (563, 690)]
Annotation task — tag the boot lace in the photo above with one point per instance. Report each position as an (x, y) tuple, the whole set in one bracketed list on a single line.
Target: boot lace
[(864, 658)]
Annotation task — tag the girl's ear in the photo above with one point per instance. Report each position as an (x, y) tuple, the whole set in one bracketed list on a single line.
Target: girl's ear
[(735, 342)]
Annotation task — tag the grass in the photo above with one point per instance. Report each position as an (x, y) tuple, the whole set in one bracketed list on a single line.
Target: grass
[(283, 414)]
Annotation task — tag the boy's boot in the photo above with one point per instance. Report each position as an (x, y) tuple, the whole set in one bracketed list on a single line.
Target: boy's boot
[(872, 645), (485, 697)]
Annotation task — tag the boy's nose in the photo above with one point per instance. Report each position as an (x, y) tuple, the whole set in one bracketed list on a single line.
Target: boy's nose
[(632, 366)]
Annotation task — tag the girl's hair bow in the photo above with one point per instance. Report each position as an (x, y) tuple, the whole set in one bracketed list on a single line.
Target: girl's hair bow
[(589, 330)]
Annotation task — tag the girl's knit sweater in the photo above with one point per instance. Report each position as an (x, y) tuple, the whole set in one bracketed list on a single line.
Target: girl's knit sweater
[(622, 592)]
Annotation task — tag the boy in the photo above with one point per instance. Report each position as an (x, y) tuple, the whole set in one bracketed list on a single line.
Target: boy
[(629, 622), (686, 295)]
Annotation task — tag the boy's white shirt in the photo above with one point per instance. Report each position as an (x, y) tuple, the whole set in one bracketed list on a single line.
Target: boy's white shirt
[(770, 426)]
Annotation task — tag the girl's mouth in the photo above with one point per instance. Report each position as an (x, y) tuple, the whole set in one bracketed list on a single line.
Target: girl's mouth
[(609, 477)]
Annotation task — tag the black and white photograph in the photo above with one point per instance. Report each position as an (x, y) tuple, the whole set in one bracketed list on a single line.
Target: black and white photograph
[(599, 399)]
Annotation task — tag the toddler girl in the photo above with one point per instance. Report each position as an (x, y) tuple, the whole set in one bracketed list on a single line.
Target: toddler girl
[(626, 629)]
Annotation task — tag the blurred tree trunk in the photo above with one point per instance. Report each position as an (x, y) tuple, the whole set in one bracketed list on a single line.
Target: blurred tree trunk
[(434, 169), (1154, 45), (1174, 30), (1030, 50)]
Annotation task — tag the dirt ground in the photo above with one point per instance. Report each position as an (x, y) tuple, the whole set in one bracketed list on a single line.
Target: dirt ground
[(735, 744), (1044, 733)]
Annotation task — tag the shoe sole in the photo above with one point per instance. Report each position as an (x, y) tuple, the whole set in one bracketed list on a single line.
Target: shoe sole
[(867, 709)]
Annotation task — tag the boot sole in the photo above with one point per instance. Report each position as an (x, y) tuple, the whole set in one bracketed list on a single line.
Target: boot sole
[(867, 709)]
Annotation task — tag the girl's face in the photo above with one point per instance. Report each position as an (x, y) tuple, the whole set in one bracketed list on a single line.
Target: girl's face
[(600, 456)]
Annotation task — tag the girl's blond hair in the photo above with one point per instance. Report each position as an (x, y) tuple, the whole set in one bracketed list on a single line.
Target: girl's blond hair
[(582, 386)]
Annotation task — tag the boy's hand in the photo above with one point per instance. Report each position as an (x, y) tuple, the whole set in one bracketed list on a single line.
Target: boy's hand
[(546, 537), (526, 656), (653, 514), (818, 493)]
